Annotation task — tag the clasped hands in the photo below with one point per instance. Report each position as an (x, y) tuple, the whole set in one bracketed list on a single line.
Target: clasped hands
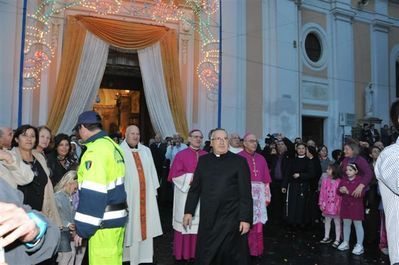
[(188, 218)]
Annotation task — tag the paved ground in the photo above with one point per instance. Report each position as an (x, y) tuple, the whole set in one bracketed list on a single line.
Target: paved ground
[(281, 247)]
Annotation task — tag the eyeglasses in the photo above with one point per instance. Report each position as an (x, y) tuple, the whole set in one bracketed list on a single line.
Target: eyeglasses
[(251, 141), (220, 139), (197, 136)]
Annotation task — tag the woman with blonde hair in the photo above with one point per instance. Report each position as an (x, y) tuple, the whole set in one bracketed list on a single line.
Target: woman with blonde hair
[(64, 191)]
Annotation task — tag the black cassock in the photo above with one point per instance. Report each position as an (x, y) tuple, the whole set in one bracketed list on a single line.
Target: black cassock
[(298, 191), (223, 185)]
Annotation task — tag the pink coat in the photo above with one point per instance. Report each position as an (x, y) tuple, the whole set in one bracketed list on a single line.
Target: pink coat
[(329, 200)]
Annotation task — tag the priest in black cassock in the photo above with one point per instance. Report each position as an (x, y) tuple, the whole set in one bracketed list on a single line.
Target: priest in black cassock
[(222, 183)]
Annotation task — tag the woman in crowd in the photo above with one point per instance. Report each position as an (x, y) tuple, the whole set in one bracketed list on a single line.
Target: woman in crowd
[(351, 153), (44, 140), (39, 193), (323, 156), (59, 160)]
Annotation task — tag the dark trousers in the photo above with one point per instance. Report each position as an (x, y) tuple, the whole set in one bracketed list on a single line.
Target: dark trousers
[(277, 203)]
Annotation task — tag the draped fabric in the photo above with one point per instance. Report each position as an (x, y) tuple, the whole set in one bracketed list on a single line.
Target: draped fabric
[(123, 34), (88, 79), (155, 91), (171, 71), (127, 35), (71, 53)]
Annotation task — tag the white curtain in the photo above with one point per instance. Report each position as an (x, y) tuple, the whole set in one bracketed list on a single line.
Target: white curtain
[(155, 90), (88, 79)]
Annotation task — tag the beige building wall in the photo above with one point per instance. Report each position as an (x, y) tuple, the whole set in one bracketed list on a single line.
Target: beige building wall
[(254, 83), (393, 10), (309, 16), (370, 7), (361, 36), (393, 37)]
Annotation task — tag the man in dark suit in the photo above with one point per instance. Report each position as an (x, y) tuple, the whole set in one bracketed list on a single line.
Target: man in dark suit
[(158, 150)]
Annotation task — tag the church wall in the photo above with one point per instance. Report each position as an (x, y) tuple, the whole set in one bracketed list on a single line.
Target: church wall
[(361, 36), (10, 39), (283, 113), (310, 16), (195, 99), (380, 69), (370, 7), (393, 57), (393, 10), (254, 83), (233, 117), (393, 37)]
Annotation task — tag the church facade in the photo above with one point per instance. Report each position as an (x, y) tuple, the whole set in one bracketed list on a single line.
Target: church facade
[(311, 68)]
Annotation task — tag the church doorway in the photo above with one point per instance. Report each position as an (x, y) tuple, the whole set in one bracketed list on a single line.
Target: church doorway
[(120, 100), (313, 128)]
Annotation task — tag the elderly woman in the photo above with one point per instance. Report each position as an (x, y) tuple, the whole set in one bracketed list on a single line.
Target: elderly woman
[(59, 160), (351, 153), (39, 193)]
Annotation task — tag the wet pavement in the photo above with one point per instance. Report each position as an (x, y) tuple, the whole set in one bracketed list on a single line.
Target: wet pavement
[(281, 247)]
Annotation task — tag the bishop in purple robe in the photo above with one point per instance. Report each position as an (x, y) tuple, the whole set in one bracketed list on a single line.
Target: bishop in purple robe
[(181, 174), (260, 179)]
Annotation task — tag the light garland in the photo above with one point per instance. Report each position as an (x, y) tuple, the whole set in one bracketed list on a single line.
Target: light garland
[(38, 52)]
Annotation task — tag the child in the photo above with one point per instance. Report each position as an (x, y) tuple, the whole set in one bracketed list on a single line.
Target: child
[(352, 209), (330, 203), (64, 190)]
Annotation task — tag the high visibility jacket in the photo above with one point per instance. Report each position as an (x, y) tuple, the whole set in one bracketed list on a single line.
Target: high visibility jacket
[(101, 187)]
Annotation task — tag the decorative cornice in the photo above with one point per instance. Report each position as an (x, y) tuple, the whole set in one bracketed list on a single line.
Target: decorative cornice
[(343, 14), (380, 25)]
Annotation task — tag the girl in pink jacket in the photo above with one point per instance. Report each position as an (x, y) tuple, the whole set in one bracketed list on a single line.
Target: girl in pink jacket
[(330, 203)]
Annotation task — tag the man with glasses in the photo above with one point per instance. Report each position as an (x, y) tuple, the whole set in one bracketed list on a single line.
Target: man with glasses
[(181, 174), (235, 143), (260, 179), (222, 183)]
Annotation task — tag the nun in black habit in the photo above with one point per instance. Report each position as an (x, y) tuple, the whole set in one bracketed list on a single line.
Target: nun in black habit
[(222, 183), (297, 185)]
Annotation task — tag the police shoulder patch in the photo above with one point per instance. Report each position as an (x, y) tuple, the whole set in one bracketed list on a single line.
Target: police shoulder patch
[(88, 164)]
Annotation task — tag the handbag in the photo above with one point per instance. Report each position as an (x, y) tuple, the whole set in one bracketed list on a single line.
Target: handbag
[(65, 241)]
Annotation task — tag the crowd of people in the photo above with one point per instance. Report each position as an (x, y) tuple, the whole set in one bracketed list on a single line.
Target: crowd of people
[(103, 195)]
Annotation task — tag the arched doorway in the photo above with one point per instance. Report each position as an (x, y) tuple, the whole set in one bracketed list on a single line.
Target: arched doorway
[(121, 100)]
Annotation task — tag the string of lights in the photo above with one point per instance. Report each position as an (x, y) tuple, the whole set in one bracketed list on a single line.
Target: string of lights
[(39, 51)]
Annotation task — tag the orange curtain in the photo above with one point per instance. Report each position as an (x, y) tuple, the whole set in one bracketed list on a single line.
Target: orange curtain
[(73, 45), (128, 35), (170, 63), (123, 34)]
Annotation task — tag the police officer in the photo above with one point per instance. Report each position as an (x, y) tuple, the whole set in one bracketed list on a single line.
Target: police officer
[(102, 210)]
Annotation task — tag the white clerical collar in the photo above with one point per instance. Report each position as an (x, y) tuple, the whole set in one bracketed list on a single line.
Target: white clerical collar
[(301, 156), (217, 155), (194, 149), (134, 148)]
